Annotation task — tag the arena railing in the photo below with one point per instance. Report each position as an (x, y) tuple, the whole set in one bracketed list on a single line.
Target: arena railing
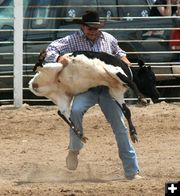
[(18, 52)]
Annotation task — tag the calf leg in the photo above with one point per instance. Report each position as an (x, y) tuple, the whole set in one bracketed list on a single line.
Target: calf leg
[(127, 113), (71, 125)]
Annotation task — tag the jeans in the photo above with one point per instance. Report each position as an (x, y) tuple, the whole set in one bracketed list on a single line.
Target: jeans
[(114, 116)]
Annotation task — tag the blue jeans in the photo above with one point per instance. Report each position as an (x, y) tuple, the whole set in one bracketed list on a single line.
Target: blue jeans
[(114, 116)]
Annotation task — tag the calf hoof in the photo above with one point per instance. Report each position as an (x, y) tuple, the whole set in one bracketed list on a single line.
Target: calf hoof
[(84, 139), (134, 138), (81, 137), (143, 101)]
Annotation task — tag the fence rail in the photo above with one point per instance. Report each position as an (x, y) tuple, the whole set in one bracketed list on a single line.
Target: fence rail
[(20, 71)]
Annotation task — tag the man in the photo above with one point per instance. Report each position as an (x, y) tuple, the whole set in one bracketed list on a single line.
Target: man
[(90, 38), (168, 10)]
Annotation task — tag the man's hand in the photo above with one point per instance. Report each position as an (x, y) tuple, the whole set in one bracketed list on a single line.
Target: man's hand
[(125, 60), (63, 59)]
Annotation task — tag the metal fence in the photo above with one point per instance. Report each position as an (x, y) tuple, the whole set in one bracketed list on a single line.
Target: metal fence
[(20, 70)]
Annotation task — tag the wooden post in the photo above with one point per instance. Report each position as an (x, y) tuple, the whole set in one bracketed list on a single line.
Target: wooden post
[(18, 53)]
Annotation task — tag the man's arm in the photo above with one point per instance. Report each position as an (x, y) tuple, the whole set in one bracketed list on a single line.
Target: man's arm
[(56, 49), (166, 10), (125, 60), (119, 52)]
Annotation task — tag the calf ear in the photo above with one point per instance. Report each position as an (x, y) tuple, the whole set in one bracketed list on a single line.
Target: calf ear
[(38, 64), (149, 67), (141, 63), (40, 60)]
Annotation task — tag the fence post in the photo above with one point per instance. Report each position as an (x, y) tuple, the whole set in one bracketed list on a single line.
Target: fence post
[(18, 53)]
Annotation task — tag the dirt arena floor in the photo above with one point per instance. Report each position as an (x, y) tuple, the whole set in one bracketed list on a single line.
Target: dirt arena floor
[(33, 148)]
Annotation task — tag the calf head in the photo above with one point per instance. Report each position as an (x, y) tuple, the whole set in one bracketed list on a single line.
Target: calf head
[(145, 80), (45, 80)]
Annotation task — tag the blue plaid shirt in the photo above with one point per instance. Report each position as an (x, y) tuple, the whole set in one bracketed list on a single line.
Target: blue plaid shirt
[(79, 42)]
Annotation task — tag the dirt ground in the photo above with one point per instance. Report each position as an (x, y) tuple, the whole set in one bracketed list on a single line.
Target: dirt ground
[(33, 148)]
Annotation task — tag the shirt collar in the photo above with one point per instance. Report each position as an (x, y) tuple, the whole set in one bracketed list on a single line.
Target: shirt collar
[(81, 33)]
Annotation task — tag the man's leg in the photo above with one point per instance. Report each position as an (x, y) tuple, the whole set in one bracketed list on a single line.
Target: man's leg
[(115, 117), (81, 104)]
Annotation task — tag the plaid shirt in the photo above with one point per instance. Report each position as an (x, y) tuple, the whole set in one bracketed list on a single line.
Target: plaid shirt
[(79, 42)]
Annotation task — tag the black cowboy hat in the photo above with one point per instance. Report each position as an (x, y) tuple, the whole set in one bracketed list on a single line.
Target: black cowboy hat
[(91, 19)]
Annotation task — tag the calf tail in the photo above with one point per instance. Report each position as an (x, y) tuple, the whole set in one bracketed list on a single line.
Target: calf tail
[(40, 60)]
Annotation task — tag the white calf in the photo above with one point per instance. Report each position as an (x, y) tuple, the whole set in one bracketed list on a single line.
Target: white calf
[(60, 83)]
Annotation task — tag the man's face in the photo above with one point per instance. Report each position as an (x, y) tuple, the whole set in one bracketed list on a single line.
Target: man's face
[(90, 32)]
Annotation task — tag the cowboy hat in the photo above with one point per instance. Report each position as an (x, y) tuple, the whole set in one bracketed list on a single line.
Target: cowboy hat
[(91, 19)]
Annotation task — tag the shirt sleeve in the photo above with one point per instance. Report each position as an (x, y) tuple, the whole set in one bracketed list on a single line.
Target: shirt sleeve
[(116, 50), (55, 49)]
